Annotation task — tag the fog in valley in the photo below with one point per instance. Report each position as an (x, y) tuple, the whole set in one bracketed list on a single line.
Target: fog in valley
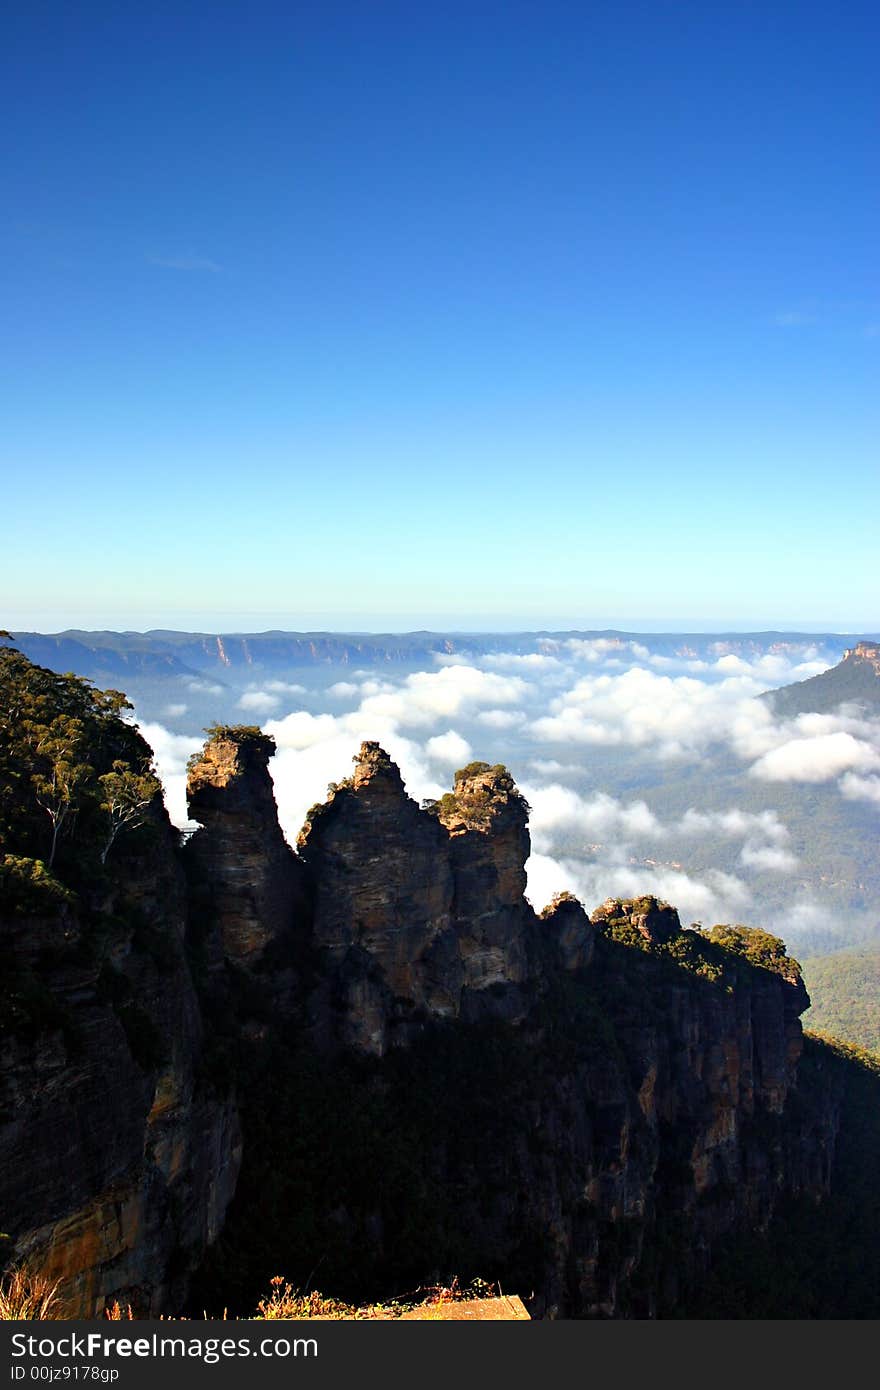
[(649, 766)]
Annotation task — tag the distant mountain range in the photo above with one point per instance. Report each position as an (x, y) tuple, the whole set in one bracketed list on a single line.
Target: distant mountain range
[(854, 680), (104, 656)]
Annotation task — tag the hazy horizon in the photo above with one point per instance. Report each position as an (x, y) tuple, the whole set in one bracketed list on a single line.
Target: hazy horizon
[(257, 624)]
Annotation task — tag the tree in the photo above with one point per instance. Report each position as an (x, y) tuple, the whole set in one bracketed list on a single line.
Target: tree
[(126, 798), (63, 778)]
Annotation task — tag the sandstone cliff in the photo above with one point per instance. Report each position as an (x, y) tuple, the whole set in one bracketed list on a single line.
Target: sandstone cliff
[(612, 1094), (418, 910), (246, 890), (117, 1164), (418, 1074)]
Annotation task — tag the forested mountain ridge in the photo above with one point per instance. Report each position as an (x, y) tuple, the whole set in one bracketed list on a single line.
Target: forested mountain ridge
[(854, 680), (226, 1057), (845, 992)]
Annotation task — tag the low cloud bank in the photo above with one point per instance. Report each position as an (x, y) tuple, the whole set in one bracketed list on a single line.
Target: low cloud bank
[(541, 713), (171, 752)]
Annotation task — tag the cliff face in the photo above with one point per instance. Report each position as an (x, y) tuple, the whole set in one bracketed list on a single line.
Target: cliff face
[(644, 1105), (431, 1078), (116, 1165), (419, 912), (247, 893)]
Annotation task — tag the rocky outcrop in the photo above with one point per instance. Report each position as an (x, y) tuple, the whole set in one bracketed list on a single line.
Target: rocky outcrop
[(382, 898), (568, 932), (867, 652), (656, 922), (420, 911), (487, 822), (246, 885)]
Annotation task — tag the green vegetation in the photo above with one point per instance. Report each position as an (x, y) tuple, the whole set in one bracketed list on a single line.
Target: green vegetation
[(716, 954), (756, 946), (854, 681), (472, 805), (248, 737), (75, 780), (28, 888), (472, 769), (73, 776), (844, 988)]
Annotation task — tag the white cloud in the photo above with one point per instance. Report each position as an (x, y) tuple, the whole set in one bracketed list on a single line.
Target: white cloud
[(733, 665), (200, 687), (546, 876), (860, 788), (607, 692), (171, 752), (734, 822), (285, 688), (260, 701), (501, 718), (449, 748), (302, 730), (376, 687), (816, 759), (672, 716), (428, 696), (532, 661), (175, 711), (768, 857), (556, 808), (717, 897)]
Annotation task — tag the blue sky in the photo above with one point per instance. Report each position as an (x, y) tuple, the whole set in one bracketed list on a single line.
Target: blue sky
[(383, 314)]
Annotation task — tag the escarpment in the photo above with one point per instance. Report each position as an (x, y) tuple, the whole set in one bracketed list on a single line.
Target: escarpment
[(590, 1102), (231, 1058), (117, 1161)]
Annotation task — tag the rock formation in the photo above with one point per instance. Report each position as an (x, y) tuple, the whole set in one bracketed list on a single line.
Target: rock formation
[(608, 1096), (246, 884), (418, 910)]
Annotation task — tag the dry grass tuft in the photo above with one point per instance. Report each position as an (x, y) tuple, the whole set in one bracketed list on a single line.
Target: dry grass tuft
[(286, 1304), (28, 1296)]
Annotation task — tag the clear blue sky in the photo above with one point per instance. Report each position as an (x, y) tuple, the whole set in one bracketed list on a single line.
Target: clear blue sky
[(384, 313)]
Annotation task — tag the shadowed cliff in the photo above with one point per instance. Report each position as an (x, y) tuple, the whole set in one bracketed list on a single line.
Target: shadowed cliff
[(370, 1056)]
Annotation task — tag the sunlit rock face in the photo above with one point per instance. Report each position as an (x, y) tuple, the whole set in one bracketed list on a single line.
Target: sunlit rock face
[(420, 911), (382, 887), (487, 821), (247, 883)]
